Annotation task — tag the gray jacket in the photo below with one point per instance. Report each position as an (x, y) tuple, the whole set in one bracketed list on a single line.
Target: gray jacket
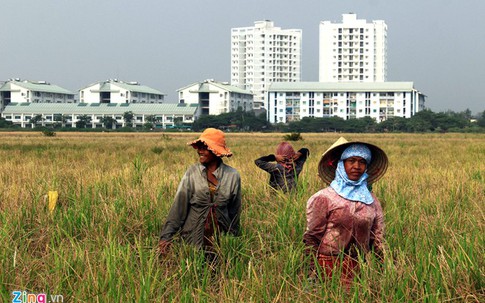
[(192, 204)]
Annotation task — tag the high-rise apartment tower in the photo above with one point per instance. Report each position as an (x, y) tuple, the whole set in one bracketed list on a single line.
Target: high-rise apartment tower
[(353, 51), (263, 54)]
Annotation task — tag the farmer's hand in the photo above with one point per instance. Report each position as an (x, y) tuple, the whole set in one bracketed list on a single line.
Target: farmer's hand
[(280, 158), (163, 248)]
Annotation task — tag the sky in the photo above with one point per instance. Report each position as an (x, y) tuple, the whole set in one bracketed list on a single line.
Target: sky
[(437, 44)]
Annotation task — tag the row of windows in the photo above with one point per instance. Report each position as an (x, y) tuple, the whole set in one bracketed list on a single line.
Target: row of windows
[(351, 70), (351, 57), (284, 44), (96, 118), (351, 78), (274, 52), (50, 101), (350, 51), (274, 37), (48, 95), (134, 95), (367, 104), (357, 37), (318, 110), (352, 30), (351, 63), (271, 64), (351, 44), (335, 94)]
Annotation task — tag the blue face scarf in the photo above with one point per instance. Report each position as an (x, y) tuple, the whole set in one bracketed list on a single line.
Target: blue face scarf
[(346, 188)]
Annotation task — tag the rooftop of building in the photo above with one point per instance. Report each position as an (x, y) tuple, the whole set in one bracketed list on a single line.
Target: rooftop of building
[(100, 108), (35, 86), (111, 85), (204, 87), (341, 86)]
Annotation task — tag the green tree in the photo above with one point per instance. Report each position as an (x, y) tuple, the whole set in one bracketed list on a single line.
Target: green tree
[(128, 118), (36, 120), (361, 125), (61, 119), (423, 121), (4, 123), (248, 121), (83, 121), (393, 124), (178, 121), (238, 120), (108, 122), (426, 120), (151, 121), (481, 119), (467, 114)]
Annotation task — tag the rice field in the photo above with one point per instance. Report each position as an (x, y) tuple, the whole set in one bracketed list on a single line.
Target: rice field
[(114, 191)]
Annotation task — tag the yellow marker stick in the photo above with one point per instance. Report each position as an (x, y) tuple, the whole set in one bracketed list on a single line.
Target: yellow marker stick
[(53, 195)]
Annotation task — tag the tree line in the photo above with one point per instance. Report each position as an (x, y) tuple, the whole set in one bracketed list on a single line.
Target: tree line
[(241, 121), (424, 121)]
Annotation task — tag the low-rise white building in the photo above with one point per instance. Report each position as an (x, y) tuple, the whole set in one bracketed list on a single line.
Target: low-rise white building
[(214, 98), (24, 91), (67, 115), (116, 91), (292, 101)]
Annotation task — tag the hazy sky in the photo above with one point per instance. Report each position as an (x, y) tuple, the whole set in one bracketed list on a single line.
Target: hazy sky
[(437, 44)]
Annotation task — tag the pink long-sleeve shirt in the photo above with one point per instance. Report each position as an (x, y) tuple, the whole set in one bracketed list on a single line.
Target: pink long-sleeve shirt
[(335, 224)]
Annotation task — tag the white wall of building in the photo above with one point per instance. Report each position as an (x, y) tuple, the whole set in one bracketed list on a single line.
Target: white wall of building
[(263, 54), (186, 96), (90, 94), (353, 51), (115, 91), (287, 106), (19, 94), (119, 94), (36, 92), (222, 98)]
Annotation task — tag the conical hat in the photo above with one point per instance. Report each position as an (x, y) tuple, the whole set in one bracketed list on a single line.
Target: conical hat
[(328, 163)]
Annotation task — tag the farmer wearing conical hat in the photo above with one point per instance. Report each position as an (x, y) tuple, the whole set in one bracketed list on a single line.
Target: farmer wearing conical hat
[(208, 199), (345, 219)]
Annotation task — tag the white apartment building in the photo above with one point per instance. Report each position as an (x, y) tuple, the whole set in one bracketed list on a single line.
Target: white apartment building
[(24, 91), (378, 100), (214, 98), (263, 54), (116, 91), (353, 51)]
